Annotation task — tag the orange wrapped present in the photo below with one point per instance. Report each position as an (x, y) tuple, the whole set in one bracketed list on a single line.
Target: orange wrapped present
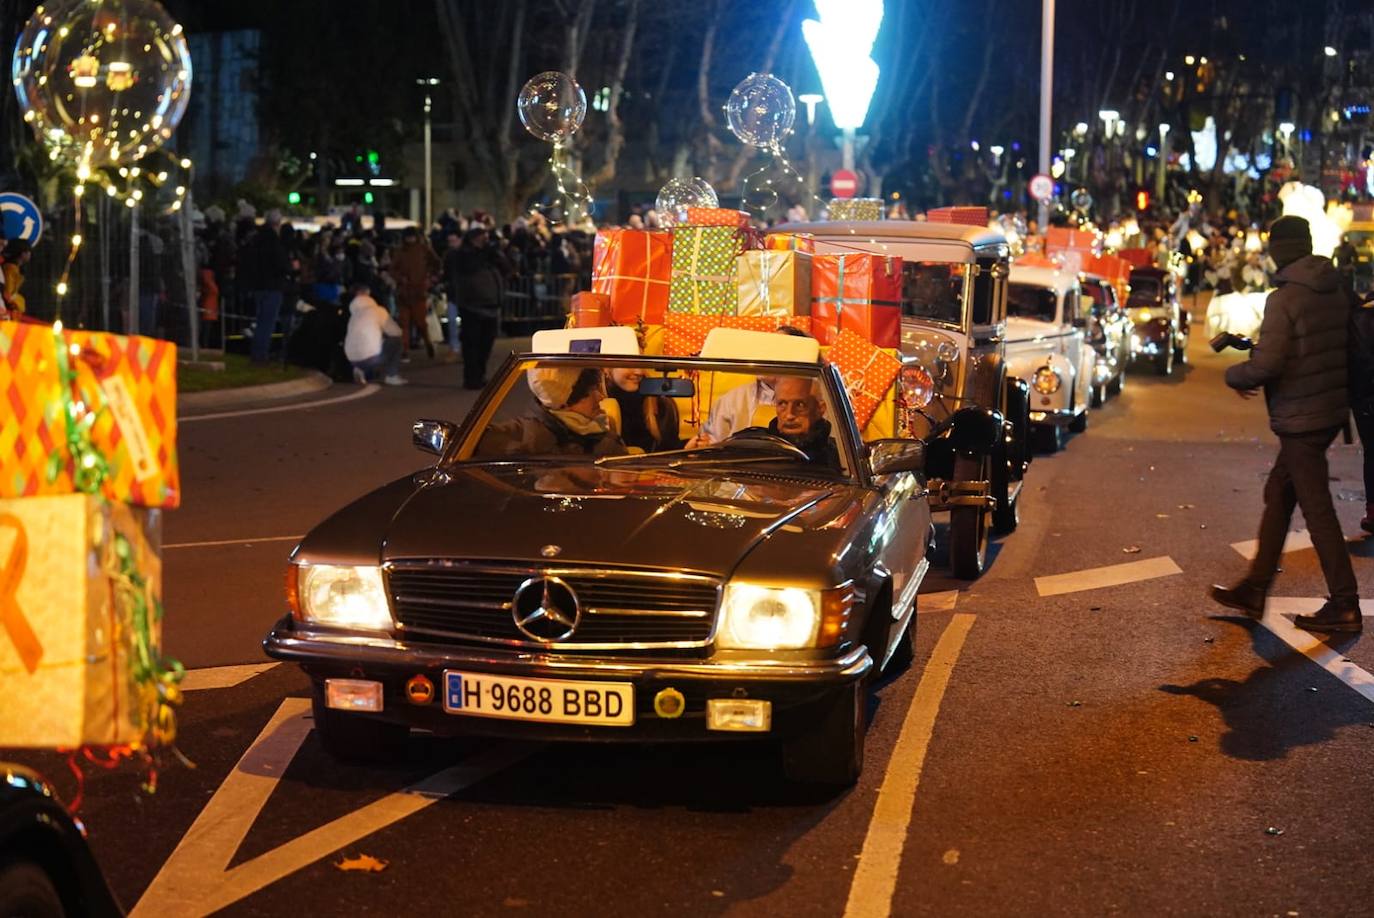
[(859, 291), (868, 372), (1061, 239), (717, 216), (130, 384), (790, 242), (963, 216), (634, 268), (767, 323), (686, 332), (773, 283), (590, 310)]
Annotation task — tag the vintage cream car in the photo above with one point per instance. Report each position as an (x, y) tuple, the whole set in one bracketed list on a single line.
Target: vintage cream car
[(953, 323), (1047, 346)]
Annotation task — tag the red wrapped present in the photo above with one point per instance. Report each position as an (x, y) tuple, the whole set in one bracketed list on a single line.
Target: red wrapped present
[(590, 310), (962, 215), (1060, 239), (790, 242), (717, 216), (686, 332), (634, 268), (767, 323), (868, 372), (859, 291)]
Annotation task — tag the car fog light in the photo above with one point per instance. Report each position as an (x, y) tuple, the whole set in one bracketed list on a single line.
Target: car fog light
[(669, 703), (353, 694), (743, 715), (419, 689)]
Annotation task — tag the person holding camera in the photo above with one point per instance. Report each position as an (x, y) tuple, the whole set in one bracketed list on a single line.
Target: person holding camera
[(1300, 362)]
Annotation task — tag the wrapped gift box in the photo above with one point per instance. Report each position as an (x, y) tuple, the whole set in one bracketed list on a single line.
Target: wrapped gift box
[(1061, 239), (590, 310), (685, 333), (68, 650), (790, 242), (868, 373), (131, 381), (856, 208), (767, 323), (962, 215), (717, 216), (773, 283), (633, 268), (859, 291), (703, 274)]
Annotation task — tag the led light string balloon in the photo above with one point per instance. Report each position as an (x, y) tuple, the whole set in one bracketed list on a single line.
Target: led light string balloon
[(552, 107)]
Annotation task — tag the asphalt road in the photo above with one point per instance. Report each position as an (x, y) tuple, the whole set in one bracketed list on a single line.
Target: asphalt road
[(1059, 746)]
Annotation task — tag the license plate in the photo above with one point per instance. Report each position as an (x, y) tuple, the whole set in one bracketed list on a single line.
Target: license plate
[(607, 704)]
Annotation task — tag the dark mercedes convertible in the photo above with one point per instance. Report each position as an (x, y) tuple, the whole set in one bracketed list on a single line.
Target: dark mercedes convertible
[(625, 548)]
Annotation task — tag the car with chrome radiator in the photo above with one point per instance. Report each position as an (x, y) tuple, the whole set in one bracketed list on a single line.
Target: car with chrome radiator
[(1160, 323), (954, 302), (741, 588), (1109, 333), (1047, 347)]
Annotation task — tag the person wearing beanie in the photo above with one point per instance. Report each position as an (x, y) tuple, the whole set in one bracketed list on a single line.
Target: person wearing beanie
[(1300, 363), (567, 420)]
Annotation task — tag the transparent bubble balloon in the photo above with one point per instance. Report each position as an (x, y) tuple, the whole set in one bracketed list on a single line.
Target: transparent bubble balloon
[(679, 194), (1081, 200), (761, 110), (552, 106), (102, 81)]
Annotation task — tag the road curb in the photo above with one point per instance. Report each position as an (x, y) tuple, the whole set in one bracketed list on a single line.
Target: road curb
[(246, 395)]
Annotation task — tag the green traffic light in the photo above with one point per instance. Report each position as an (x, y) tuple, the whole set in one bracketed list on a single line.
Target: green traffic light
[(367, 197), (293, 198), (373, 157)]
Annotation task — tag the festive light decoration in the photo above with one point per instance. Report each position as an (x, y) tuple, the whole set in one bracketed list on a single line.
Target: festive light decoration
[(552, 107), (841, 44), (679, 194)]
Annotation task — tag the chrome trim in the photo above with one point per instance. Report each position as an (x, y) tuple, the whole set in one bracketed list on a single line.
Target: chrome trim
[(677, 613)]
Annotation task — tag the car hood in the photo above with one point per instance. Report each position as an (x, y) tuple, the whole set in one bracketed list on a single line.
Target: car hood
[(1021, 329), (634, 518)]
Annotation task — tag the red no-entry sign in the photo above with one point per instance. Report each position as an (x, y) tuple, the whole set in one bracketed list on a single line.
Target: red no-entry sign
[(1041, 187), (844, 183)]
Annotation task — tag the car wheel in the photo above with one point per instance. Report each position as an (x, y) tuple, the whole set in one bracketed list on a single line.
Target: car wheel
[(1181, 353), (27, 891), (968, 527), (1049, 438), (1119, 381), (1098, 396), (832, 753), (1079, 422), (1007, 514), (1164, 361), (356, 738)]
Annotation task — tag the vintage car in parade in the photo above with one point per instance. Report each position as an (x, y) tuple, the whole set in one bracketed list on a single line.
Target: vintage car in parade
[(952, 346), (1047, 346), (546, 578), (1109, 333), (1160, 333)]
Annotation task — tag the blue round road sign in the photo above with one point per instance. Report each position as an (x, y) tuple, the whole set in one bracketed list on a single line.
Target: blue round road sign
[(22, 218)]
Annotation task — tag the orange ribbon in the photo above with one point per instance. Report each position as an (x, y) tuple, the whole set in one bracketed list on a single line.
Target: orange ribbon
[(11, 616)]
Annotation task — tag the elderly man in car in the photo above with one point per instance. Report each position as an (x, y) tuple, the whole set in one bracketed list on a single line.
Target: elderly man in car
[(801, 420)]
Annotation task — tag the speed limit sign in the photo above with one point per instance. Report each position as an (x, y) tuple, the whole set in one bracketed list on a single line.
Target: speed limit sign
[(1041, 187)]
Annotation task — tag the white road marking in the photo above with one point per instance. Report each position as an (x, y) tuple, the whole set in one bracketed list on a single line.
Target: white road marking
[(290, 538), (1301, 605), (215, 677), (1095, 578), (875, 877), (194, 881), (1313, 647), (942, 601), (365, 391), (1296, 540)]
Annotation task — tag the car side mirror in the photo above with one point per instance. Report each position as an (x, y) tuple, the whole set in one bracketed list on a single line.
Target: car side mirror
[(431, 436), (891, 456)]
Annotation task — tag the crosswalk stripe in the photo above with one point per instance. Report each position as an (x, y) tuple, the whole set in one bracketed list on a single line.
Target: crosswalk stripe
[(1095, 578), (217, 677), (1296, 540), (1302, 605), (942, 601), (1314, 647)]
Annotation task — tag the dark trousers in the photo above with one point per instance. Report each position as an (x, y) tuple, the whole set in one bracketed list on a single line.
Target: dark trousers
[(476, 334), (388, 360), (266, 309), (1300, 478), (1364, 423)]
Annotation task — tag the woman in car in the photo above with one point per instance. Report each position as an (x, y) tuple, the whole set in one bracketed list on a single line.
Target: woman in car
[(645, 422)]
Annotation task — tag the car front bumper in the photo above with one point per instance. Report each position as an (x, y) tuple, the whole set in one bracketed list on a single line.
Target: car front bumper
[(1058, 417), (795, 689)]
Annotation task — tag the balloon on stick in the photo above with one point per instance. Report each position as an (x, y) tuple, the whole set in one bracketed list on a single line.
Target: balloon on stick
[(679, 194), (552, 107)]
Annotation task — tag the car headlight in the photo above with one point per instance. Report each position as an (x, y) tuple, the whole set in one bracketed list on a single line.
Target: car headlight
[(918, 386), (1047, 381), (1144, 315), (348, 596)]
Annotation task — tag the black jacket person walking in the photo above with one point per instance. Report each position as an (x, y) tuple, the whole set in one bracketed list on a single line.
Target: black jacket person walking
[(1300, 362)]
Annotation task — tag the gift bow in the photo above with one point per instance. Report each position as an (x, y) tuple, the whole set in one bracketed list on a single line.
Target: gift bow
[(11, 616)]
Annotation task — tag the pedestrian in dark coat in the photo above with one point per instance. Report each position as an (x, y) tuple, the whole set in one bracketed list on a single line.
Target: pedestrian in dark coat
[(1360, 358), (265, 273), (414, 265), (1300, 362), (479, 271)]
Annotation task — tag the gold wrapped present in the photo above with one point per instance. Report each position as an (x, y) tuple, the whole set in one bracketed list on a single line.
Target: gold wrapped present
[(774, 283), (80, 622), (856, 208)]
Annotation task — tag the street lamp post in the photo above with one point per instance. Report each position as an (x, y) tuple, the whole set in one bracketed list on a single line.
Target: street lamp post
[(841, 44), (1046, 91), (1163, 163), (428, 83)]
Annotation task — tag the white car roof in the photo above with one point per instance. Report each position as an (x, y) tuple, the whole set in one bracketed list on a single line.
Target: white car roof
[(1059, 281), (912, 240)]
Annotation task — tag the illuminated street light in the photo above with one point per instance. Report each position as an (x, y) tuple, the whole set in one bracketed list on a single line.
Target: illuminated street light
[(1286, 129), (997, 150), (1109, 117), (841, 44), (1169, 75), (1081, 129), (810, 100), (1190, 60), (1330, 51)]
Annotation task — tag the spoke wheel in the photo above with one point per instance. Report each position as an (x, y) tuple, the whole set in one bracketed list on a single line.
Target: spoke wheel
[(968, 527)]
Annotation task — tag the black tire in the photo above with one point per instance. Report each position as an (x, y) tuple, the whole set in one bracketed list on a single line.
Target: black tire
[(1006, 516), (357, 738), (1079, 422), (905, 651), (832, 754), (1049, 438), (26, 891), (968, 527), (1164, 361), (1118, 382)]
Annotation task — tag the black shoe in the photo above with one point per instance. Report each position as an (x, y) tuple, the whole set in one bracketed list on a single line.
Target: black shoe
[(1244, 596), (1332, 617)]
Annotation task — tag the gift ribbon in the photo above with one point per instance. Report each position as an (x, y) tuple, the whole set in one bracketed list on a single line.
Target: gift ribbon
[(695, 280), (614, 243), (765, 281), (11, 616)]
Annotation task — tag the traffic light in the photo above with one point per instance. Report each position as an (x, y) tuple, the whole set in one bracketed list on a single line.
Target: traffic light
[(1142, 199), (293, 198)]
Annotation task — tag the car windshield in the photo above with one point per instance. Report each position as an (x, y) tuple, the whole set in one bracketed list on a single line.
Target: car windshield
[(1030, 302), (1097, 292), (934, 290), (1144, 292), (661, 412)]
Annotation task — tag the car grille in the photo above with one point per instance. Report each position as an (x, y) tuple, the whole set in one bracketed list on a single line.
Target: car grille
[(465, 602)]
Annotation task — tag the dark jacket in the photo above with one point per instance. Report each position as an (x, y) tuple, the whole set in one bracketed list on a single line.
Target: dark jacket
[(1360, 356), (1300, 358), (819, 448), (264, 263), (478, 273), (542, 434)]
